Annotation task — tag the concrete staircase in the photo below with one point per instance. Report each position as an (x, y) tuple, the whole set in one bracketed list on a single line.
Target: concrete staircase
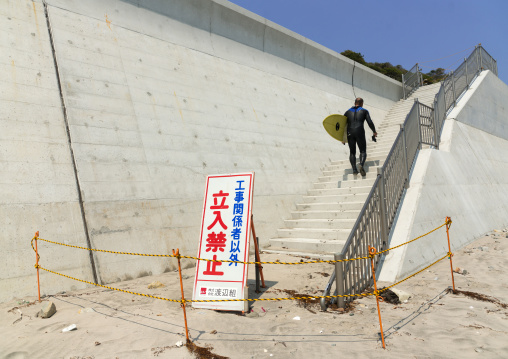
[(322, 223)]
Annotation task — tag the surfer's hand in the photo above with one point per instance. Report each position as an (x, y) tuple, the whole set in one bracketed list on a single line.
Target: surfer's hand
[(375, 134), (343, 143)]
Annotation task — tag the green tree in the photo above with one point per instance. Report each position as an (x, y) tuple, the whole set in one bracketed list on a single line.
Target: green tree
[(437, 74), (355, 56), (395, 72)]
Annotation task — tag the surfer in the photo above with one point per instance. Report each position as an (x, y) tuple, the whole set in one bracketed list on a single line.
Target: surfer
[(356, 116)]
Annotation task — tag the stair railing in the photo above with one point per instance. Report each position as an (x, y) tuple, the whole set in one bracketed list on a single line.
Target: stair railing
[(411, 80), (422, 125)]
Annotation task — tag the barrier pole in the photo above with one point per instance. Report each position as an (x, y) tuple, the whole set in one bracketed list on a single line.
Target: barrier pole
[(258, 258), (177, 254), (372, 252), (37, 265), (448, 224)]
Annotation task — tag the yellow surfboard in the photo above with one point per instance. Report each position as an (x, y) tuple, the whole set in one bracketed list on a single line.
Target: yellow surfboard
[(336, 126)]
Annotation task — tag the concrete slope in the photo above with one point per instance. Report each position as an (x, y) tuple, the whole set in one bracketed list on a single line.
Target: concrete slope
[(323, 221), (466, 179)]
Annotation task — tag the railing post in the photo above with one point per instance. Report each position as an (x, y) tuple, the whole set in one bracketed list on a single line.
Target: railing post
[(480, 54), (382, 208), (403, 87), (339, 279), (436, 130), (453, 89), (467, 82), (419, 124), (405, 154)]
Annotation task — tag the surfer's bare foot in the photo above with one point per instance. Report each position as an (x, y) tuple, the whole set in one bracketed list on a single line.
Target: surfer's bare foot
[(362, 171), (355, 172)]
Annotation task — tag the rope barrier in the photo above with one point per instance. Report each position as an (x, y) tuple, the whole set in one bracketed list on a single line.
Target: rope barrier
[(230, 261), (210, 300), (197, 258), (371, 254), (414, 274), (403, 244), (376, 293), (103, 250), (105, 286)]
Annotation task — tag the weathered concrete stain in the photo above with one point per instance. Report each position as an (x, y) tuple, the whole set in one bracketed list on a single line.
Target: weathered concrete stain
[(107, 230), (36, 21), (108, 22), (178, 105)]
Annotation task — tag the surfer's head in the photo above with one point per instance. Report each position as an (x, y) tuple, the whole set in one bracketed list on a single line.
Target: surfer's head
[(359, 102)]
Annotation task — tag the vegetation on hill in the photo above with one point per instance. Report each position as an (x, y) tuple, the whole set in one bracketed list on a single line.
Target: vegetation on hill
[(395, 72)]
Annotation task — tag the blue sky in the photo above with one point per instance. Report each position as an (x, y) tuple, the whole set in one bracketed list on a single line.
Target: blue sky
[(402, 32)]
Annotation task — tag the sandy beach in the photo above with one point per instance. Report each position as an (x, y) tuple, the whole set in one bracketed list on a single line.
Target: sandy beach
[(433, 323)]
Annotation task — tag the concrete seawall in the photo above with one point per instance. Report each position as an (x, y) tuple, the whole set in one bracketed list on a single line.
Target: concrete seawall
[(156, 95), (38, 186), (466, 179)]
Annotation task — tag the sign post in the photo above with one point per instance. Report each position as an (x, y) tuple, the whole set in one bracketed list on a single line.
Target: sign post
[(225, 235)]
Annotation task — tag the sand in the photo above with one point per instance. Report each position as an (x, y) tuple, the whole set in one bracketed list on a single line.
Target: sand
[(433, 323)]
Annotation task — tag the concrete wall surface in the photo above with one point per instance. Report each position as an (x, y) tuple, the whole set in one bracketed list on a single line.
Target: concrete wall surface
[(157, 95), (37, 182), (466, 179)]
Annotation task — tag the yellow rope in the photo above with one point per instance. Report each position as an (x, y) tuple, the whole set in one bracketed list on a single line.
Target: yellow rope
[(403, 244), (197, 258), (200, 301), (105, 286), (182, 301), (229, 261), (412, 275)]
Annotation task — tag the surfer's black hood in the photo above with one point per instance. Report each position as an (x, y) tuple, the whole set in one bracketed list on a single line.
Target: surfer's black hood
[(356, 116)]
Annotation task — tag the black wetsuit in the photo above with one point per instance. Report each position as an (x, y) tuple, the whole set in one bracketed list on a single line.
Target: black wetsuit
[(356, 116)]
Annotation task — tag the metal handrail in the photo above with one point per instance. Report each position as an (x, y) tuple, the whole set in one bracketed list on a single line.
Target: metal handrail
[(423, 125), (411, 80)]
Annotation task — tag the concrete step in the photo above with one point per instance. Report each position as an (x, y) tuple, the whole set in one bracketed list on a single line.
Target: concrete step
[(344, 214), (378, 154), (403, 110), (315, 233), (338, 191), (353, 197), (304, 245), (347, 175), (330, 206), (358, 182), (383, 144), (389, 129), (399, 112), (391, 122), (319, 223), (371, 161)]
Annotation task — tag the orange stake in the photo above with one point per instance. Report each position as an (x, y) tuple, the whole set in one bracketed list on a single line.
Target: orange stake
[(177, 254), (448, 224), (372, 252), (37, 265)]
